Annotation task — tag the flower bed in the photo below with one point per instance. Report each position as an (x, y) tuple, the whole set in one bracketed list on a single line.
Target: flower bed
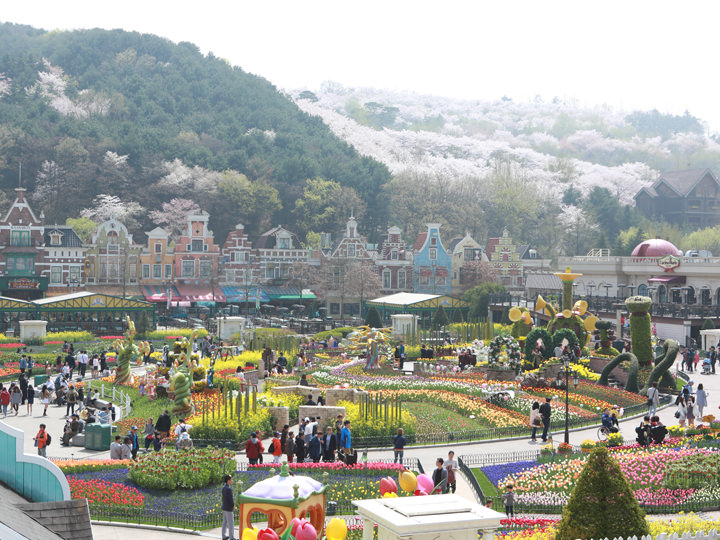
[(190, 469), (105, 493)]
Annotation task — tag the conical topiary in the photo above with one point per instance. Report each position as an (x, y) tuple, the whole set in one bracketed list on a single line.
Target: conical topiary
[(372, 318), (602, 505)]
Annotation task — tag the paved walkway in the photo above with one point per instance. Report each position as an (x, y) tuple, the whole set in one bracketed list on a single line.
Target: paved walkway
[(56, 420)]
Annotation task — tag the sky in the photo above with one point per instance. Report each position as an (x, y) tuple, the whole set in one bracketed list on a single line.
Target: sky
[(627, 54)]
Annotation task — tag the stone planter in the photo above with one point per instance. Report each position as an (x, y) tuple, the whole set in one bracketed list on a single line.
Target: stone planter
[(280, 417), (499, 374)]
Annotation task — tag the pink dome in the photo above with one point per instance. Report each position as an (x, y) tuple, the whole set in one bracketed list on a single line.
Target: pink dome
[(655, 247)]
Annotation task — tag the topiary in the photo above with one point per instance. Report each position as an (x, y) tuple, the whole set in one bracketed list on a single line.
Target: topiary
[(663, 363), (640, 328), (613, 364), (565, 333), (372, 318), (602, 505), (632, 381), (531, 341)]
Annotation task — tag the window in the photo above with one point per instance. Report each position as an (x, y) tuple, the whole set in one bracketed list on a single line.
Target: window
[(158, 248), (20, 238), (433, 254), (433, 241), (55, 238), (440, 281), (197, 245), (334, 308), (20, 264), (206, 268), (56, 274), (401, 279), (157, 271), (424, 279), (284, 271), (112, 237), (75, 274), (270, 271), (351, 250), (283, 242), (394, 254), (146, 271), (188, 268), (386, 279), (168, 270)]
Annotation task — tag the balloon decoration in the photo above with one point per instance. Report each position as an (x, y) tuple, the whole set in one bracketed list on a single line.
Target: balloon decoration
[(336, 529), (303, 530), (250, 534), (425, 483), (388, 485), (407, 481)]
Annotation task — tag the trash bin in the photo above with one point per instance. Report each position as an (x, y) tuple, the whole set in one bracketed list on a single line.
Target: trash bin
[(98, 436), (331, 509), (40, 380)]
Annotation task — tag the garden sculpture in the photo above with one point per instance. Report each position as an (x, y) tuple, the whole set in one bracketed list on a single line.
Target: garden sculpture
[(127, 351)]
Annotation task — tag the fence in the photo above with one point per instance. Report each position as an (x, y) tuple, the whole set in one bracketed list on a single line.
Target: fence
[(493, 433), (118, 396)]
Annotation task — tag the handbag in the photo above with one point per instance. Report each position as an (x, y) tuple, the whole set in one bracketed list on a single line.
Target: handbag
[(677, 414)]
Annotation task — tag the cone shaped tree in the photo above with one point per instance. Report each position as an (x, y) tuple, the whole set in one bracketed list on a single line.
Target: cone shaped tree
[(602, 505), (372, 318)]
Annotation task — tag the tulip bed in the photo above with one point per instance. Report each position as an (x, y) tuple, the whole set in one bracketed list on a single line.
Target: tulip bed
[(109, 488), (664, 479)]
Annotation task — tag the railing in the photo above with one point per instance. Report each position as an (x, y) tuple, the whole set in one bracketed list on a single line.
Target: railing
[(118, 396), (472, 480)]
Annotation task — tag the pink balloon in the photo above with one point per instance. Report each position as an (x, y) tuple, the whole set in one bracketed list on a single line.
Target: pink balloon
[(425, 483)]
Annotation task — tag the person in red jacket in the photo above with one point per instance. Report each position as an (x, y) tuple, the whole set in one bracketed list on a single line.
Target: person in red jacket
[(4, 400), (253, 449), (41, 441), (277, 449)]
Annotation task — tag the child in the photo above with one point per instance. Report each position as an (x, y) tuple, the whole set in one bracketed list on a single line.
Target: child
[(509, 500)]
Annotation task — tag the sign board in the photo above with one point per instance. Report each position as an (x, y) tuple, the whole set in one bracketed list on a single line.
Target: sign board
[(23, 283), (668, 262)]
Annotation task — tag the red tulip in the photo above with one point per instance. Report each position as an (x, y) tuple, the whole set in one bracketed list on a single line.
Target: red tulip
[(420, 492), (387, 484), (268, 534), (305, 531)]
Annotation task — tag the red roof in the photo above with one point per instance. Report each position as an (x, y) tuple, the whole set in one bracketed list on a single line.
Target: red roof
[(655, 247), (200, 293), (420, 241)]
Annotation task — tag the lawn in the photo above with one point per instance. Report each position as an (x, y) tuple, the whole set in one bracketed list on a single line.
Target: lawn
[(434, 419)]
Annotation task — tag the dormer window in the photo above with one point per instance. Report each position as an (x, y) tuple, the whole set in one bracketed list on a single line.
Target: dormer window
[(283, 242), (394, 254), (55, 238)]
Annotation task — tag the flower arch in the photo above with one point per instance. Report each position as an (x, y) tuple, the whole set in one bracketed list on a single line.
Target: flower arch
[(512, 349)]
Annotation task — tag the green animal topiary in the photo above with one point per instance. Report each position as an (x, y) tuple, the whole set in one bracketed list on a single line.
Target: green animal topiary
[(615, 362), (605, 347), (663, 363), (602, 505), (640, 328), (632, 382)]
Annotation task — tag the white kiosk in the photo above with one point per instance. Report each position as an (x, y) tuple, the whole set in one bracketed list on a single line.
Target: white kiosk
[(227, 326), (32, 329), (449, 517), (404, 324)]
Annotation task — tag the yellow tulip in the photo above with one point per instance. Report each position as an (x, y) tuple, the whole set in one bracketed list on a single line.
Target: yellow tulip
[(250, 534), (336, 529)]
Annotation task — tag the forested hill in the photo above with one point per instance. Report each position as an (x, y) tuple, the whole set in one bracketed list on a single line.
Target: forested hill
[(119, 122)]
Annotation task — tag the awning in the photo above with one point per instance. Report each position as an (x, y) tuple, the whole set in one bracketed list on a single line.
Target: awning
[(200, 293), (241, 295), (441, 271), (288, 293), (667, 278), (156, 293)]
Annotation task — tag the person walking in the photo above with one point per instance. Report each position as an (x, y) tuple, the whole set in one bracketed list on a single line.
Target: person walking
[(45, 399), (535, 420), (509, 500), (451, 467), (23, 383), (4, 399), (399, 446), (134, 441), (71, 401), (300, 447), (701, 399), (15, 399), (148, 432), (545, 411), (681, 411), (41, 441), (346, 437), (713, 358), (439, 477), (276, 448), (163, 424), (228, 509), (691, 411), (315, 449), (30, 398), (253, 449), (653, 396)]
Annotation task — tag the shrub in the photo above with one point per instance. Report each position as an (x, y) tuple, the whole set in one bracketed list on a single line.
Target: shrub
[(237, 429), (372, 319), (377, 426), (336, 332), (602, 505), (71, 337), (184, 469)]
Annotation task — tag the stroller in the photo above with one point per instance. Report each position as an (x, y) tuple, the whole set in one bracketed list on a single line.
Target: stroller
[(349, 457), (706, 366)]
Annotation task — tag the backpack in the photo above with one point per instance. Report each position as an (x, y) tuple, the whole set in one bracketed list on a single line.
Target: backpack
[(271, 448), (48, 440)]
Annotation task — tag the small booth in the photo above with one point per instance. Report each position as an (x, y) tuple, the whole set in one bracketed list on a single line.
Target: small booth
[(450, 517), (283, 497), (404, 324)]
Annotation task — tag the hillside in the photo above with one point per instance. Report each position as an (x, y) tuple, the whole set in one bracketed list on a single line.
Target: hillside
[(119, 122), (555, 174)]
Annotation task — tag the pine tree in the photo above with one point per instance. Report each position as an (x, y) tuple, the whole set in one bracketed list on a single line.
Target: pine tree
[(440, 319), (602, 505), (372, 319)]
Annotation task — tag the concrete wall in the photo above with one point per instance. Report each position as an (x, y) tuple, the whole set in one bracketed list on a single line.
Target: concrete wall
[(334, 395), (326, 415), (298, 390), (280, 417)]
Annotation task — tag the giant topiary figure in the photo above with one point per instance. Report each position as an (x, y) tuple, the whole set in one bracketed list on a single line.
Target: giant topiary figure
[(615, 362), (663, 363), (127, 351), (181, 384), (602, 505), (531, 341), (640, 328), (606, 347)]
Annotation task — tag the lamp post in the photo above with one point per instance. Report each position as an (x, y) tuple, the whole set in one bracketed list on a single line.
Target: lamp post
[(566, 372)]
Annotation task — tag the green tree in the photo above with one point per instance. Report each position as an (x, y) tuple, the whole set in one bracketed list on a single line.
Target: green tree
[(602, 505), (372, 318), (316, 210), (440, 319), (479, 299), (83, 227)]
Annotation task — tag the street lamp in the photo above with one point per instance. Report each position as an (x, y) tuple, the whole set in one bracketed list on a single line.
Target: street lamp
[(565, 372)]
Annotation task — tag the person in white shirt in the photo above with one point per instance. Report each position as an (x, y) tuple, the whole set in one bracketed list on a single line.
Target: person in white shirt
[(310, 427), (181, 428)]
